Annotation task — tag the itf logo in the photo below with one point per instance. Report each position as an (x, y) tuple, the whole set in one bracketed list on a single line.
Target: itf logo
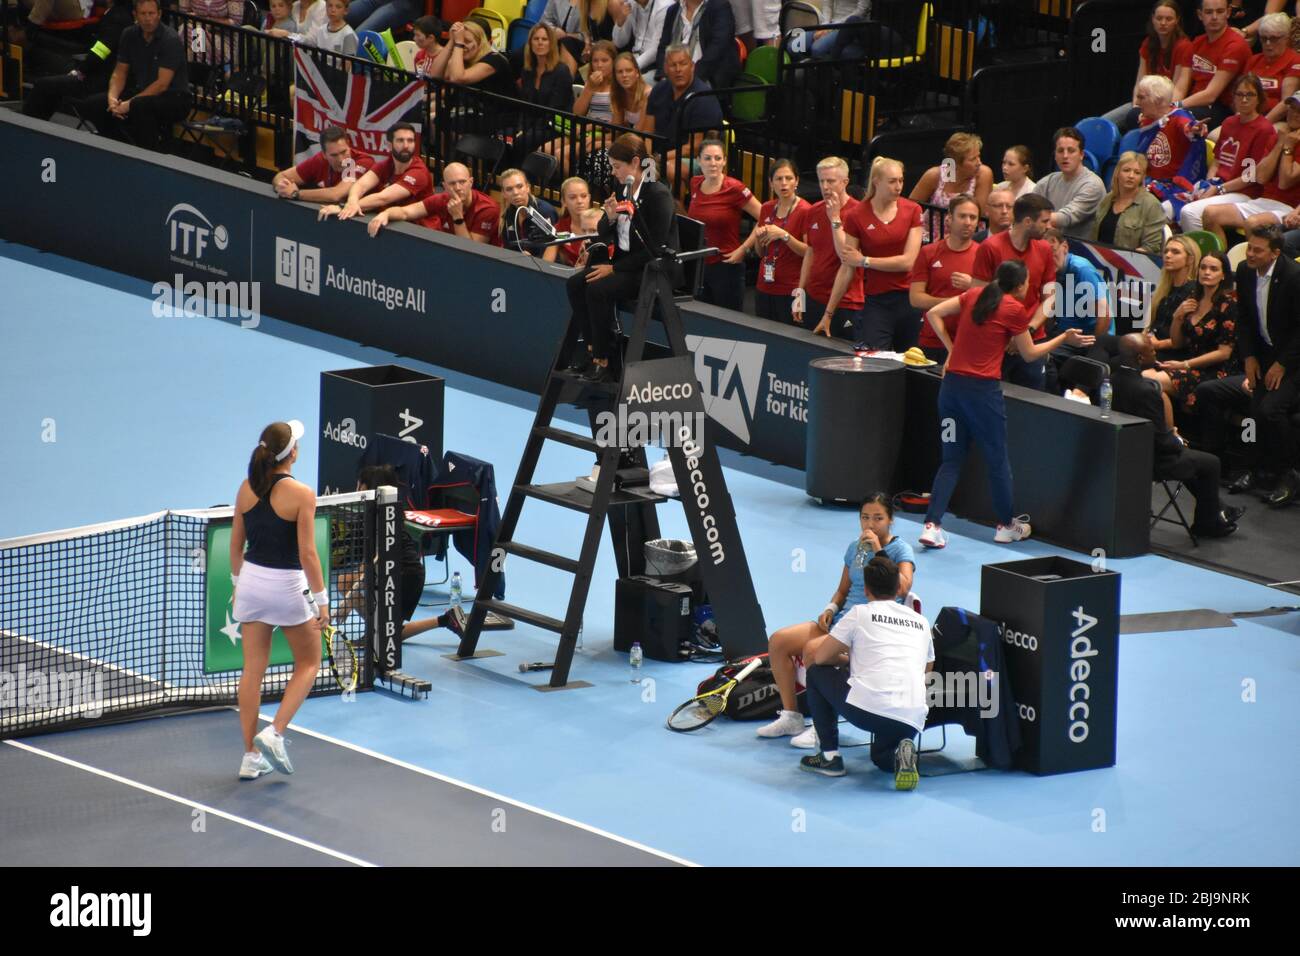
[(192, 237), (297, 265), (730, 373)]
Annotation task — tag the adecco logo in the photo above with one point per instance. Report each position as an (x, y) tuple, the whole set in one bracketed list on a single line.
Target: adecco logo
[(730, 374), (345, 433), (1027, 713), (1019, 638), (190, 238)]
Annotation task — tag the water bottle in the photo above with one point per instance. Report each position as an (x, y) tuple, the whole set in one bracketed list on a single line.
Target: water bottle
[(635, 660), (1106, 397), (578, 645), (456, 592)]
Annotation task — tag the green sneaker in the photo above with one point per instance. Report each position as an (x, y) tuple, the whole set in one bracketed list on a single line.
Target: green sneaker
[(818, 763), (905, 775)]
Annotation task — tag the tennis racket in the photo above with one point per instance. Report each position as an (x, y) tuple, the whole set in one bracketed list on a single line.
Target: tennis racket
[(703, 708), (342, 657)]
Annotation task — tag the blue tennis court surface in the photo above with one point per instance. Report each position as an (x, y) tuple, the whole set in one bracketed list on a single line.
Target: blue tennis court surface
[(149, 413)]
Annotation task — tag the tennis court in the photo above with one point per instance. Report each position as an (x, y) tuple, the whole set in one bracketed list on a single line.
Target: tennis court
[(149, 414)]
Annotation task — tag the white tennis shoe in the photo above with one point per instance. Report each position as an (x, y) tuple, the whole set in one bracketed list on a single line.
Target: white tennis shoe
[(807, 740), (254, 766), (933, 536), (272, 746), (1018, 530), (787, 724)]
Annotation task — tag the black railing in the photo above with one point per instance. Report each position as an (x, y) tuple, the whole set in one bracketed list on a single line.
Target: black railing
[(1103, 52), (1019, 104)]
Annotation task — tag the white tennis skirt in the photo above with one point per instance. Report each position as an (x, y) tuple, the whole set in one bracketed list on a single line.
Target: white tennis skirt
[(272, 595)]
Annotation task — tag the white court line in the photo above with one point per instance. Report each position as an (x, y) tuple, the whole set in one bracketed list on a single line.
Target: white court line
[(252, 824), (486, 793)]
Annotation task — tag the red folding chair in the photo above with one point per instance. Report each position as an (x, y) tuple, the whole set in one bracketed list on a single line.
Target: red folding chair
[(453, 507)]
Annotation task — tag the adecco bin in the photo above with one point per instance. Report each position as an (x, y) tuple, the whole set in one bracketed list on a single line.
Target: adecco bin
[(855, 426), (1060, 625), (358, 403)]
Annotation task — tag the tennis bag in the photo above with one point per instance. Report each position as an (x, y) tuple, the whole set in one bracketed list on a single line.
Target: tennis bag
[(755, 697)]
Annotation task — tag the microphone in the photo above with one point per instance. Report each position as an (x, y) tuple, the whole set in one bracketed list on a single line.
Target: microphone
[(535, 666)]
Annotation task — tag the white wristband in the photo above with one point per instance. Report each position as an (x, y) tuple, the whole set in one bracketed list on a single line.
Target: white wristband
[(234, 580), (317, 598), (833, 608)]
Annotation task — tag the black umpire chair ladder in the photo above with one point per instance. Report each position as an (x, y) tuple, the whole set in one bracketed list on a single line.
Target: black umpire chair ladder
[(629, 510)]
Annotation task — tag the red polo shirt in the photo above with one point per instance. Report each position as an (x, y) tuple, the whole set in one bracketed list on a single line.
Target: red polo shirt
[(415, 180), (1037, 257), (1271, 74), (1229, 53), (978, 349), (825, 264), (316, 172), (482, 217), (934, 266), (879, 239), (786, 264), (720, 213)]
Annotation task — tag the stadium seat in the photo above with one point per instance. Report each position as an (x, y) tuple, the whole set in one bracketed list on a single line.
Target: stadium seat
[(762, 63), (917, 57), (1205, 240), (509, 9), (749, 107), (1130, 141), (1237, 255), (1090, 160), (1108, 171), (495, 26), (403, 55), (517, 33), (485, 150), (742, 51), (1101, 136), (1172, 490), (540, 169), (796, 14), (534, 9)]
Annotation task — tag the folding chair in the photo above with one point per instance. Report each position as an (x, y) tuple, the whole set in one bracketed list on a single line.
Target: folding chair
[(1171, 501), (540, 169)]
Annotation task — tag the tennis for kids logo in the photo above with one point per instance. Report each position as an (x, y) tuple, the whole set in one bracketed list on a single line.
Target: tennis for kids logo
[(299, 266), (731, 375)]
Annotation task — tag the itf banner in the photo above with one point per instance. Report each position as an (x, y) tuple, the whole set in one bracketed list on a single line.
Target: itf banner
[(366, 103), (222, 650)]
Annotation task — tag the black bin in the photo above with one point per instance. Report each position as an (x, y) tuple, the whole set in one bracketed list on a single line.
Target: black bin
[(1059, 621), (855, 426), (358, 403)]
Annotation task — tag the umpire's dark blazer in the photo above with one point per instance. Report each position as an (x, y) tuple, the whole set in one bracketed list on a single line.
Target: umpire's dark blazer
[(657, 214), (1283, 316)]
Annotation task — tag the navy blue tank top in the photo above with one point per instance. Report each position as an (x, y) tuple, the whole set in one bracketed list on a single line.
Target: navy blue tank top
[(272, 541)]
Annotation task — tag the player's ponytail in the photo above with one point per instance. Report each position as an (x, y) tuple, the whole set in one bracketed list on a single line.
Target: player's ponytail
[(1010, 276), (275, 439)]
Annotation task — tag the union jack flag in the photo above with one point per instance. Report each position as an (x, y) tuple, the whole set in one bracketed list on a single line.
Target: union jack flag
[(366, 102)]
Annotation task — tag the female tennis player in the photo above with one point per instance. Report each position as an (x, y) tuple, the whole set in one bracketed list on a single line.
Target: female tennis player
[(970, 399), (802, 640), (278, 583)]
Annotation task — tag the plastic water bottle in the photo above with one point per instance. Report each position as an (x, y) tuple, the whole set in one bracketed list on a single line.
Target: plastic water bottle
[(456, 592), (634, 659), (578, 645), (1106, 397)]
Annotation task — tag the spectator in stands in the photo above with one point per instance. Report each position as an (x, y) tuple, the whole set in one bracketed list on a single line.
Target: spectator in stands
[(1244, 140), (1277, 66), (1291, 238), (149, 89), (459, 210), (1017, 164), (1241, 16), (578, 25), (594, 103), (630, 95), (999, 207), (545, 82), (706, 29), (1172, 141), (638, 25), (401, 178), (49, 93), (881, 237), (1182, 259), (575, 196), (1279, 173), (425, 30), (39, 11), (1129, 216), (819, 273), (1081, 301), (1206, 325), (681, 121), (326, 176), (1268, 390), (800, 641), (381, 15), (1217, 57), (516, 227), (1166, 52), (595, 291), (279, 16), (993, 317), (1173, 460), (1031, 217), (778, 239), (1074, 191), (469, 60), (943, 269), (960, 173), (717, 200), (307, 15), (336, 35)]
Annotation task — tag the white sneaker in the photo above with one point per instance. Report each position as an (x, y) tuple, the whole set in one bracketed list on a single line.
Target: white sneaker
[(933, 536), (807, 740), (254, 766), (787, 723), (272, 746), (1018, 530)]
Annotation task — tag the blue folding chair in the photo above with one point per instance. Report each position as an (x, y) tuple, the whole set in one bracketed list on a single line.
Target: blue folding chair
[(1090, 161), (1100, 135), (517, 34), (1130, 141)]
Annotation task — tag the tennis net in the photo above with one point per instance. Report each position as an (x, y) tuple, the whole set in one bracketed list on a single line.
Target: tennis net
[(133, 617)]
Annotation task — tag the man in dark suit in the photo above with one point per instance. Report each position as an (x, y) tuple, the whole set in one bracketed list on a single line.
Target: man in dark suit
[(640, 221), (709, 28), (1268, 341), (1174, 461)]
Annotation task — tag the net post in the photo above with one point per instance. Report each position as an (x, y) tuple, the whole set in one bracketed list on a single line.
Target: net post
[(388, 597)]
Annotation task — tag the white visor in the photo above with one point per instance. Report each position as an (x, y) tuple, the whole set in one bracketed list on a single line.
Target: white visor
[(296, 431)]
